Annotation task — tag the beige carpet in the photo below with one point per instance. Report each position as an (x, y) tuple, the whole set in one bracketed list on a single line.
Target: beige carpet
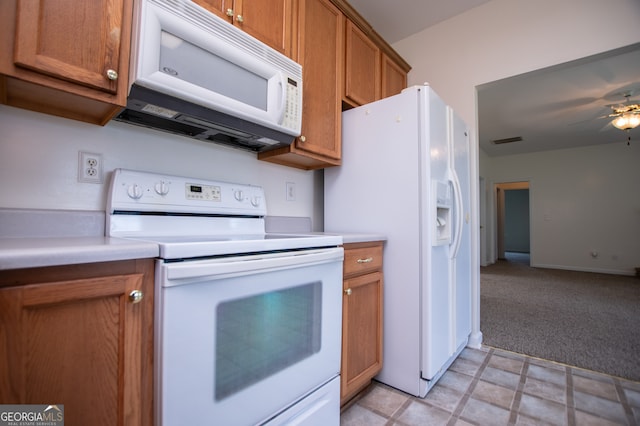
[(582, 319)]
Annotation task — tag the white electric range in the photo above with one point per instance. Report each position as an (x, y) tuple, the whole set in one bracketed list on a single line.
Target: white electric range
[(247, 323)]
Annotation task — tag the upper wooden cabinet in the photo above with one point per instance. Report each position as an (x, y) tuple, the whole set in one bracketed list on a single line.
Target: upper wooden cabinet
[(370, 72), (393, 77), (65, 57), (345, 63), (362, 67), (270, 21), (320, 47)]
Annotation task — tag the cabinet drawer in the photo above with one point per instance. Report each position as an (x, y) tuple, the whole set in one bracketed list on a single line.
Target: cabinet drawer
[(362, 259)]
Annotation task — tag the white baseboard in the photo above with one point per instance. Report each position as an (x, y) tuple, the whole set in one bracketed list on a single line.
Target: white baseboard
[(582, 269)]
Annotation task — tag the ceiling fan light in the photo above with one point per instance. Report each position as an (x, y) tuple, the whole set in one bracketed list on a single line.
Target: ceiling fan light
[(626, 121)]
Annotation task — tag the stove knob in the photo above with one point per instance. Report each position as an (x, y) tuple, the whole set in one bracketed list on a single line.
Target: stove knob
[(255, 201), (162, 188), (239, 195), (134, 191)]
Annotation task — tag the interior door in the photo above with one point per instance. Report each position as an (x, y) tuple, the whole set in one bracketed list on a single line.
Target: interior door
[(501, 215)]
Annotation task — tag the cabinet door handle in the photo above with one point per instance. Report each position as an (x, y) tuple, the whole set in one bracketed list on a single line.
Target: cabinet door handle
[(348, 292), (240, 19), (367, 260), (112, 74), (136, 296), (230, 12)]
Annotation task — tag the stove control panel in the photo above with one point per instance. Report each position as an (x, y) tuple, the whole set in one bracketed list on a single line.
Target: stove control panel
[(195, 191), (138, 191)]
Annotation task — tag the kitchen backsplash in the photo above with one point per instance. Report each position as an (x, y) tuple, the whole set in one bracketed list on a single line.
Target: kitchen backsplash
[(39, 164), (36, 223)]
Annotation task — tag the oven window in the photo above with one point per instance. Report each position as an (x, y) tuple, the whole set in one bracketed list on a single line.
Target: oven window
[(260, 335)]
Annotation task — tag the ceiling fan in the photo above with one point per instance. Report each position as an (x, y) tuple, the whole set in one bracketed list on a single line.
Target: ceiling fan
[(625, 116)]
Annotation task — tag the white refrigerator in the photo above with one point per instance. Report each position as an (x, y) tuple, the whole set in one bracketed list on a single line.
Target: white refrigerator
[(405, 174)]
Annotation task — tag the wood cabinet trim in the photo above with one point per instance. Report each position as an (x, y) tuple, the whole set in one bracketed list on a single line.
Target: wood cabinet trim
[(84, 288)]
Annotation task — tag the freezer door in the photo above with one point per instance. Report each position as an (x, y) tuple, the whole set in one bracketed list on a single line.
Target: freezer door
[(436, 294)]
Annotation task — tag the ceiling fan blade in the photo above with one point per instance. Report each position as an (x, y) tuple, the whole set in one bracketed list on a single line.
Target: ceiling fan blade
[(590, 119), (567, 104), (606, 127), (629, 103)]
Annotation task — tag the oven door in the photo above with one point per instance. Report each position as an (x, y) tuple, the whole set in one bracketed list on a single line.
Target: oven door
[(240, 339)]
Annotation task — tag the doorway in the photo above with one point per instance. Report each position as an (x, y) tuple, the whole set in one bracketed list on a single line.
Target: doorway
[(513, 221)]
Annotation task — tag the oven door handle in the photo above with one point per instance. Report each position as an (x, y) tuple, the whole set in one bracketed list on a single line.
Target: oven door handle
[(179, 273)]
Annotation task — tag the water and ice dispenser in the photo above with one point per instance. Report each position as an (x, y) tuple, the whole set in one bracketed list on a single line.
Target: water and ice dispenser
[(442, 203)]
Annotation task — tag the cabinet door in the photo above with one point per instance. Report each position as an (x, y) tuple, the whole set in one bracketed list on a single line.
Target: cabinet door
[(71, 40), (394, 79), (362, 67), (321, 40), (219, 7), (319, 51), (361, 333), (268, 21), (76, 343)]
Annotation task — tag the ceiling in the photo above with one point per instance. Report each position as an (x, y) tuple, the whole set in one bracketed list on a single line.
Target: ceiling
[(552, 108), (391, 20), (560, 107)]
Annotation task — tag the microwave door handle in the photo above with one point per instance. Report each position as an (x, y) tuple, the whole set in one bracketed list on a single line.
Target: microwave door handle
[(283, 99)]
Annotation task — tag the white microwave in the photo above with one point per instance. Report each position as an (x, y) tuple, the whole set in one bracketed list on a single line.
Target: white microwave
[(196, 75)]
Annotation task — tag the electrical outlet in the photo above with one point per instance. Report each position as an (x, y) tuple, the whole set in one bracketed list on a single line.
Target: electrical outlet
[(89, 167), (291, 191)]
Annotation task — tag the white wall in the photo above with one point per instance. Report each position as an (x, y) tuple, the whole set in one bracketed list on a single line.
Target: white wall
[(582, 200), (39, 163)]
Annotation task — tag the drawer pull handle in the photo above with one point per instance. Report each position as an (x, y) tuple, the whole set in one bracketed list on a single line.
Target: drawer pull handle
[(136, 296), (348, 292), (367, 260)]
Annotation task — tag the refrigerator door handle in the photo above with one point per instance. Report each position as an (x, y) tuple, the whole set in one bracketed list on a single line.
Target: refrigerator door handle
[(457, 192)]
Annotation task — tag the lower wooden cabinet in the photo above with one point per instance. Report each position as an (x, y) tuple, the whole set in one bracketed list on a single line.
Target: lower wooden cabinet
[(361, 317), (80, 336)]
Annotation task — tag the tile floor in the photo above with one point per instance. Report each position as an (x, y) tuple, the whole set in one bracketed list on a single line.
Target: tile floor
[(492, 387)]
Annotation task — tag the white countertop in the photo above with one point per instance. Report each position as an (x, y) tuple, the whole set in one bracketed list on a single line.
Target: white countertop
[(35, 238), (358, 238), (18, 253)]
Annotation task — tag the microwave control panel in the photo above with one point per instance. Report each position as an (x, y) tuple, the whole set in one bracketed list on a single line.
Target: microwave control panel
[(293, 105)]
